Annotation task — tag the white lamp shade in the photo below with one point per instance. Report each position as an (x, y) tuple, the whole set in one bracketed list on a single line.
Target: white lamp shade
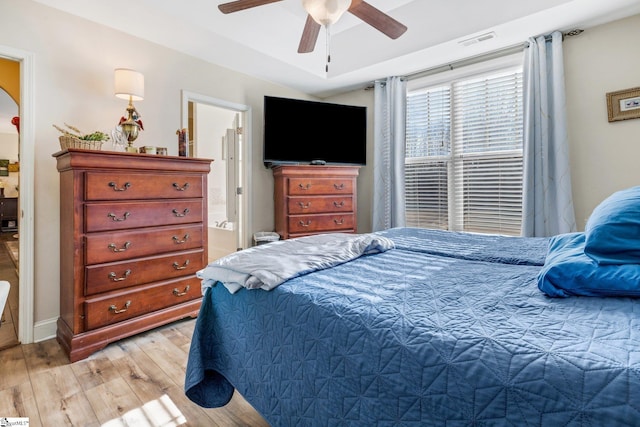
[(129, 83), (326, 12)]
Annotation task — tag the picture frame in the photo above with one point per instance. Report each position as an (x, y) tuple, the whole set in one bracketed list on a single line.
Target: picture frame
[(623, 104)]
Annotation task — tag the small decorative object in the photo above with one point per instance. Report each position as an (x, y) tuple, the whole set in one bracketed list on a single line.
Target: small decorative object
[(129, 84), (14, 167), (182, 142), (74, 138), (119, 139), (4, 168), (148, 149), (162, 151), (624, 104), (16, 122)]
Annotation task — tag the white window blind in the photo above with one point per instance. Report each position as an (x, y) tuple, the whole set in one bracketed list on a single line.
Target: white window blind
[(463, 160)]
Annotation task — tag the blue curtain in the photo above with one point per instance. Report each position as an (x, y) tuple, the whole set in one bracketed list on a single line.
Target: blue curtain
[(389, 151), (547, 201)]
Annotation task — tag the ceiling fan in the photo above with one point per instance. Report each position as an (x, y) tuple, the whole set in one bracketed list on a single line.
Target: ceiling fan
[(327, 12)]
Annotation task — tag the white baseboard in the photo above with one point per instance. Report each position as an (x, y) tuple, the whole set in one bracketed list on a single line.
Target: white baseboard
[(44, 330)]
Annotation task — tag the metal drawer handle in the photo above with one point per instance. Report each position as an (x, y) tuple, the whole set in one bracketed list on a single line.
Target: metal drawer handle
[(181, 267), (178, 241), (302, 223), (339, 204), (124, 247), (114, 309), (178, 214), (113, 216), (339, 221), (339, 186), (183, 188), (304, 187), (304, 206), (123, 188), (177, 293), (113, 278)]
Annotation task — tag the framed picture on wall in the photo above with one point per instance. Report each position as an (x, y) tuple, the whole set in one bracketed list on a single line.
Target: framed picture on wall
[(4, 167), (624, 104)]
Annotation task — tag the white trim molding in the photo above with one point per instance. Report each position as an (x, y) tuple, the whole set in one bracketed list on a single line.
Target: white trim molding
[(26, 193)]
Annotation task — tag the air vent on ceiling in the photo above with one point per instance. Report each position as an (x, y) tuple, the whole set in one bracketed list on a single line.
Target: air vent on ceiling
[(478, 39)]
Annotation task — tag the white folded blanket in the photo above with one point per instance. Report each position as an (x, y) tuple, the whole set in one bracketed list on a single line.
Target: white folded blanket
[(267, 266)]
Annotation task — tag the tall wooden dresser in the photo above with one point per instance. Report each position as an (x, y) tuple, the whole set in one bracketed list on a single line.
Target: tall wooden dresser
[(133, 232), (311, 199)]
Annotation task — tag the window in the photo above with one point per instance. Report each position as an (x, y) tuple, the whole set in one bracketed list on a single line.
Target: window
[(463, 161)]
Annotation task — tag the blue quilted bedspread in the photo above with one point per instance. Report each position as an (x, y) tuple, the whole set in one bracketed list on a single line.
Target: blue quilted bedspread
[(416, 336)]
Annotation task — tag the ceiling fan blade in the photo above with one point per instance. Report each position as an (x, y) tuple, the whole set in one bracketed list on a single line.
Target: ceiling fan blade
[(309, 36), (236, 6), (377, 19)]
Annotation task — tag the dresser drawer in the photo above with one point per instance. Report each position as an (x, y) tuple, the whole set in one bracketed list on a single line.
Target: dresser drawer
[(333, 186), (128, 186), (325, 222), (115, 307), (117, 275), (324, 204), (120, 216), (122, 245)]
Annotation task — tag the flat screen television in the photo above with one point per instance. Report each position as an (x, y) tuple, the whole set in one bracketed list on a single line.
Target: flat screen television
[(309, 132)]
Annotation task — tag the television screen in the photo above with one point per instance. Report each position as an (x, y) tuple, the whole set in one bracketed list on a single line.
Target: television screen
[(304, 132)]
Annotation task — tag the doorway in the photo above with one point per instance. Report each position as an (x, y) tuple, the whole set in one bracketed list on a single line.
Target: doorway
[(9, 185), (21, 81), (217, 130)]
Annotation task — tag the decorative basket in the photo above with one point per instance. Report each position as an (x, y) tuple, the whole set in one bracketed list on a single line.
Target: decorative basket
[(67, 141)]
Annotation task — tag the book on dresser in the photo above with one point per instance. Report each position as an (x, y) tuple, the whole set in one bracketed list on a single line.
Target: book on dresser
[(313, 199), (133, 233)]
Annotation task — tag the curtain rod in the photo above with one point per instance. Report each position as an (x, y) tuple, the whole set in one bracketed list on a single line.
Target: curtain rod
[(499, 53)]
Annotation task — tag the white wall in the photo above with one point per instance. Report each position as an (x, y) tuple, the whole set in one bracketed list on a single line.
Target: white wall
[(74, 63), (604, 156)]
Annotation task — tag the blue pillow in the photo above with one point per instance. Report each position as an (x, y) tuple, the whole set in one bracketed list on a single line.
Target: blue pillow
[(568, 271), (613, 229)]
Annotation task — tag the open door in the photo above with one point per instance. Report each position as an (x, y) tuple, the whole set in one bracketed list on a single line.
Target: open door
[(216, 133), (232, 147)]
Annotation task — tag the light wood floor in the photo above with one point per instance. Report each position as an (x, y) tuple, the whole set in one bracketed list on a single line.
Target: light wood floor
[(138, 381)]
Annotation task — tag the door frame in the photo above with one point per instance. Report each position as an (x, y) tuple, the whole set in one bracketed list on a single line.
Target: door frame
[(26, 195), (246, 215)]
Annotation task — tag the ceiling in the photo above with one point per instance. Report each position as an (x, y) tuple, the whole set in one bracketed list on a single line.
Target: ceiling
[(263, 41)]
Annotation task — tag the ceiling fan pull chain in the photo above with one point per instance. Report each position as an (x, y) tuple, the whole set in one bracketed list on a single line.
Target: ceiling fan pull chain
[(328, 47)]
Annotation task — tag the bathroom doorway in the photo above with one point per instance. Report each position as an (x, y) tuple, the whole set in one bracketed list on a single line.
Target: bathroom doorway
[(217, 130)]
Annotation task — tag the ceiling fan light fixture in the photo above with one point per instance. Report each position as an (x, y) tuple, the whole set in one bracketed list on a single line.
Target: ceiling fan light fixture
[(326, 12)]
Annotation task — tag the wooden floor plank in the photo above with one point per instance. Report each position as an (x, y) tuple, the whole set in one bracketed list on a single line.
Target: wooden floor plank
[(114, 401), (43, 356), (18, 401), (94, 371), (13, 368), (61, 400), (171, 359)]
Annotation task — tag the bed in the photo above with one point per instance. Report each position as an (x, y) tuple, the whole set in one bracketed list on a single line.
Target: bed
[(441, 329)]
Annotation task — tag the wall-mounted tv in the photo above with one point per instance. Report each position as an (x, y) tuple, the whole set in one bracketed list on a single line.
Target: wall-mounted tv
[(306, 132)]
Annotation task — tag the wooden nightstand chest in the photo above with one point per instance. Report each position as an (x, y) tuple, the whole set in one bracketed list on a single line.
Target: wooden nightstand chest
[(315, 199), (133, 232)]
